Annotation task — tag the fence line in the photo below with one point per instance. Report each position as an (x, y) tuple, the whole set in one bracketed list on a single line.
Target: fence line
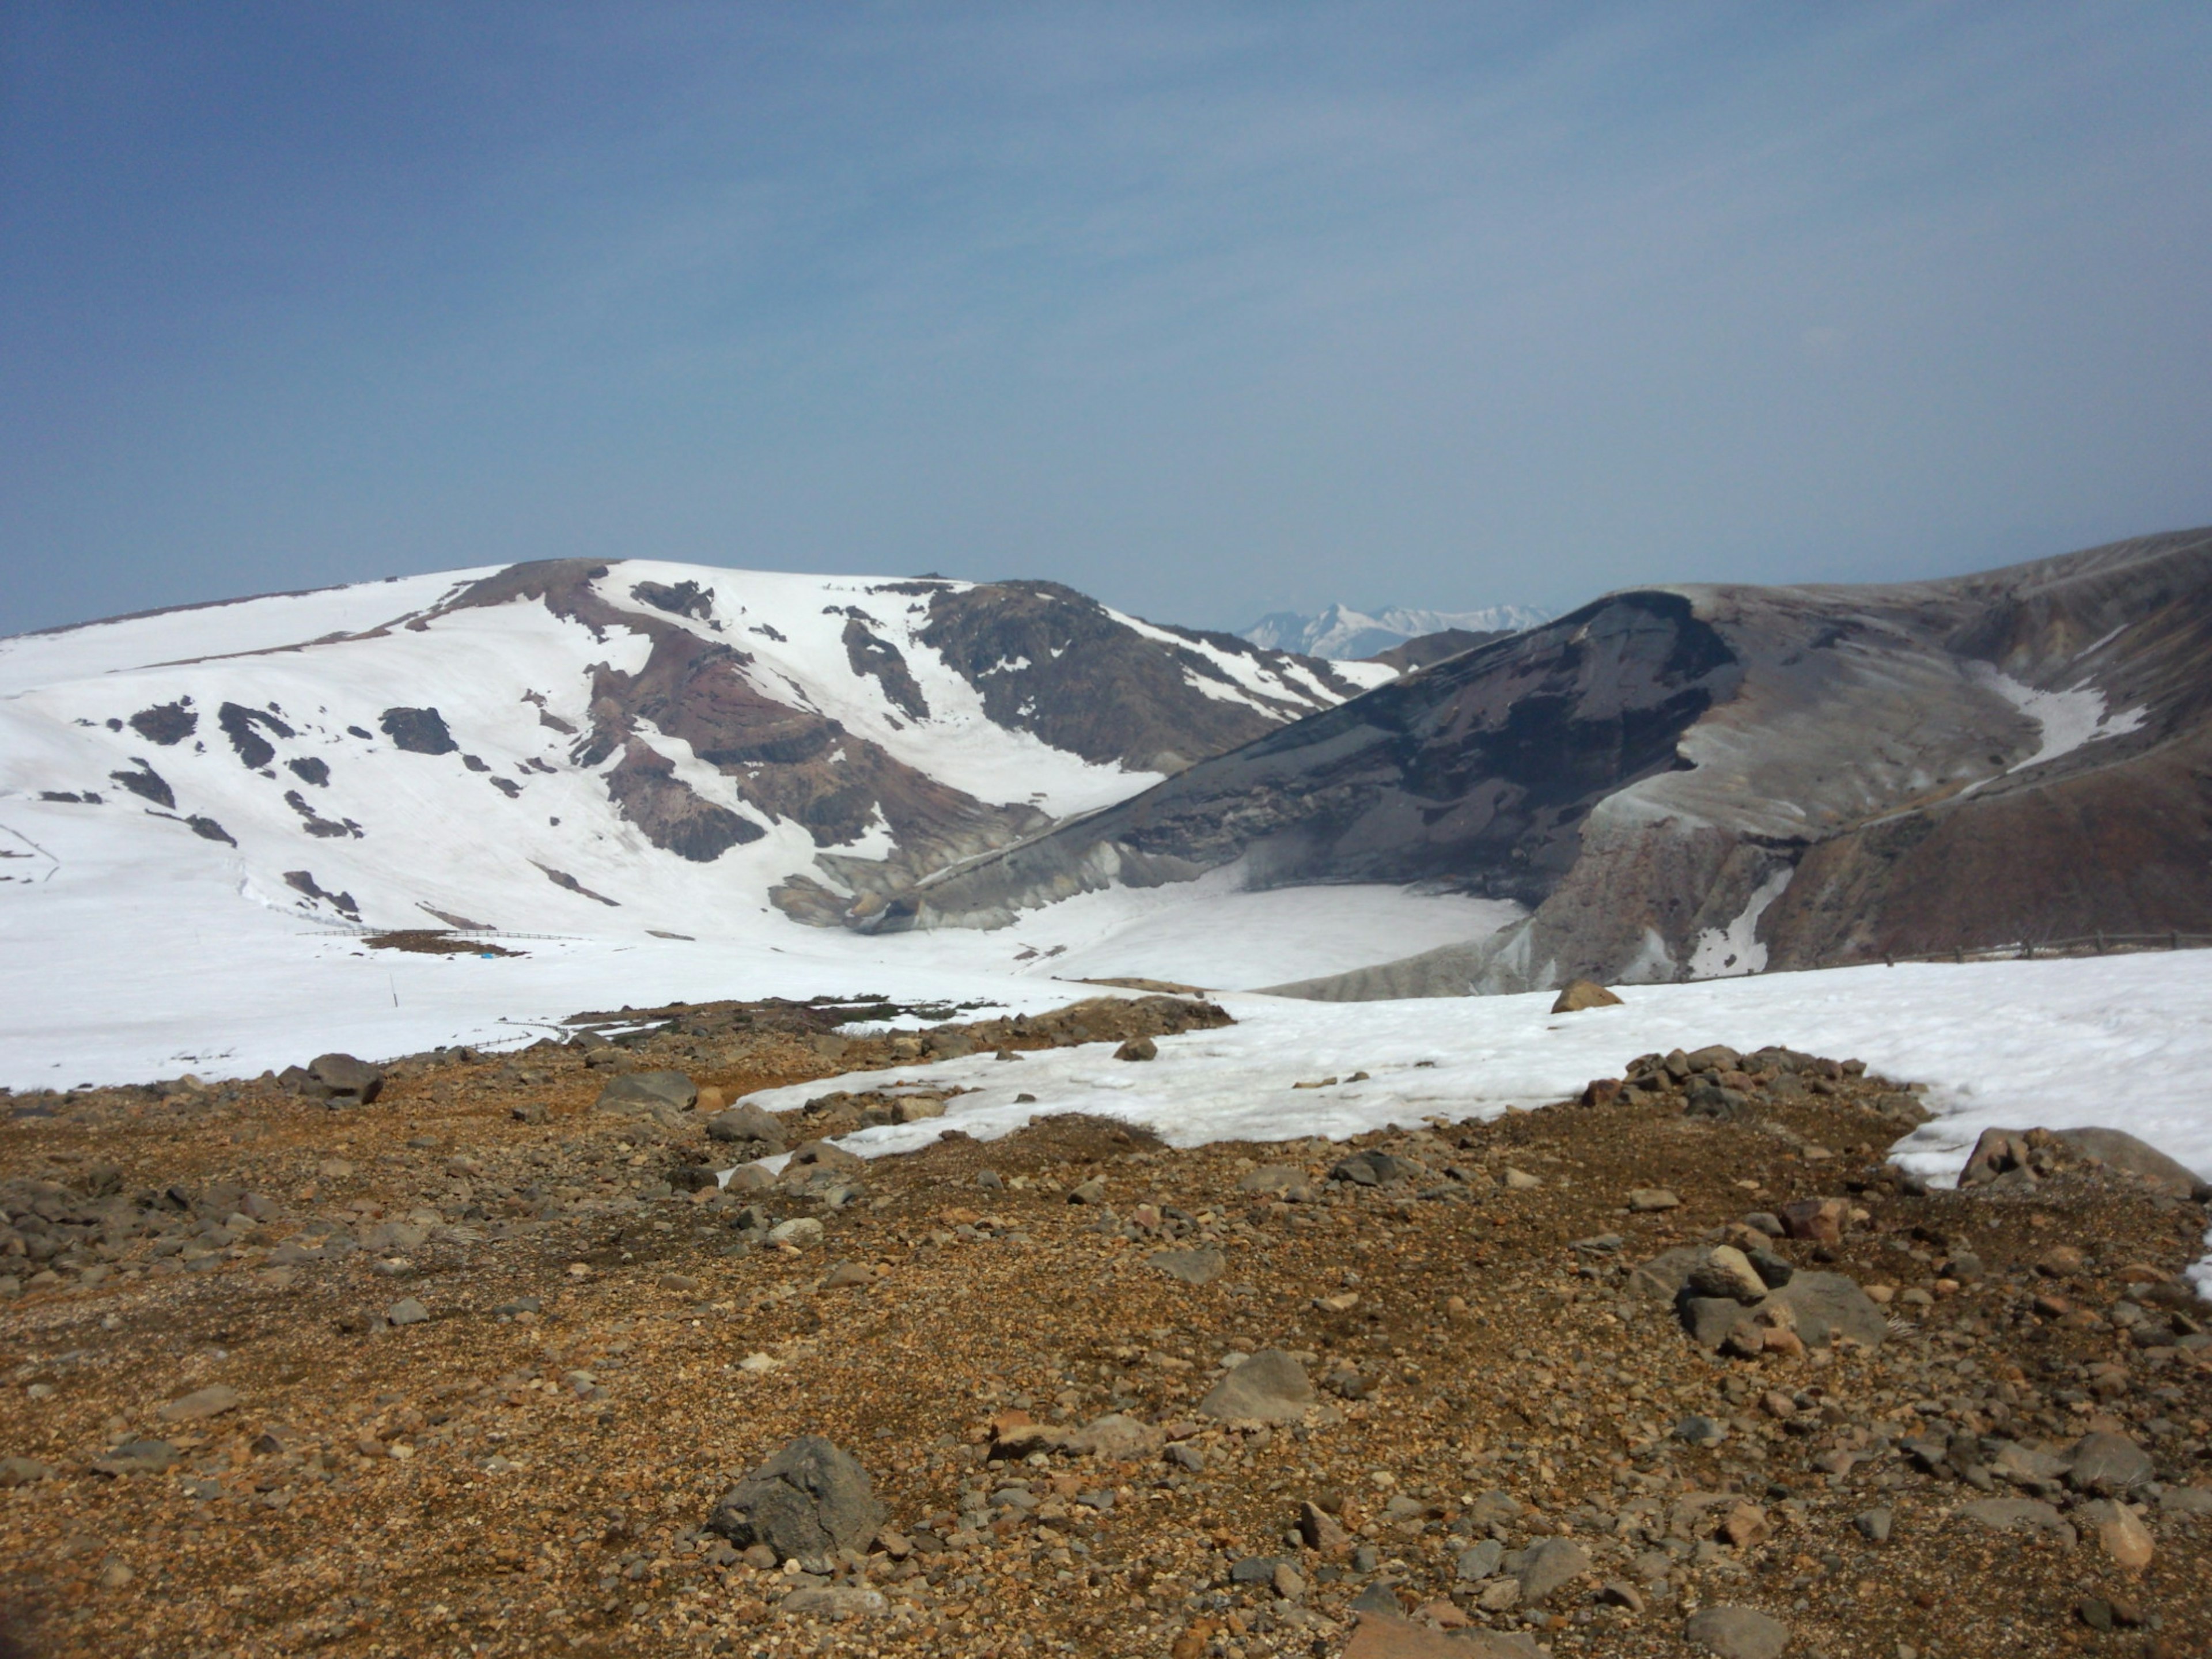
[(2025, 950)]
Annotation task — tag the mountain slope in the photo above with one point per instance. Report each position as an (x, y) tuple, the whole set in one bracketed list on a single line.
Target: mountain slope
[(539, 747), (1696, 780)]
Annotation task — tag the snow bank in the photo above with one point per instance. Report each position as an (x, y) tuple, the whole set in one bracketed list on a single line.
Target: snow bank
[(2123, 1042)]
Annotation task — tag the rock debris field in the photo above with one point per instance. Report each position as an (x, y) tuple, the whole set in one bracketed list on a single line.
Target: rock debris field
[(463, 1355)]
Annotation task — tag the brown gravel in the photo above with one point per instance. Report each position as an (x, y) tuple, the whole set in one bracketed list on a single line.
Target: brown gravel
[(537, 1481)]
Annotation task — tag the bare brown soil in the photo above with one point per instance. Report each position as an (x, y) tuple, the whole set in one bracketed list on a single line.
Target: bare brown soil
[(529, 1469)]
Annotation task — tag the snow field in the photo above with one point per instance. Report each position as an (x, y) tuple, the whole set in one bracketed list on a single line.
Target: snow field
[(2117, 1042)]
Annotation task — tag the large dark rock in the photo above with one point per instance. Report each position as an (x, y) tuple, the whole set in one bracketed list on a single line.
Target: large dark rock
[(806, 1502), (747, 1124), (344, 1078), (418, 731)]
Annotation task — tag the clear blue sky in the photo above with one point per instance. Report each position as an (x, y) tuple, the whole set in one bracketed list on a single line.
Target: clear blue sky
[(1208, 309)]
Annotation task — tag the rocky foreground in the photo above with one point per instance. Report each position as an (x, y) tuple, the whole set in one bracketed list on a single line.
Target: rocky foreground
[(470, 1355)]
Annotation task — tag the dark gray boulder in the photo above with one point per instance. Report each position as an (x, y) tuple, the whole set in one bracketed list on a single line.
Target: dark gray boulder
[(806, 1502), (343, 1077), (744, 1124)]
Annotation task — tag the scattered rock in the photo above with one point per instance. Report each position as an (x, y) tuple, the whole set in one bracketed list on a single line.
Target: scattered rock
[(807, 1502), (1270, 1387), (1736, 1632), (1581, 994), (1647, 1201), (1874, 1526), (406, 1311), (1141, 1048), (22, 1472)]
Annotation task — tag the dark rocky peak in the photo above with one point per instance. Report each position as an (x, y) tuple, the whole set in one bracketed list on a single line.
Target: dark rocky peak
[(1050, 661), (685, 598)]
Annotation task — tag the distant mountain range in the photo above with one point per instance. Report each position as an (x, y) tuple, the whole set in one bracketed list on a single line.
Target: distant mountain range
[(1343, 635)]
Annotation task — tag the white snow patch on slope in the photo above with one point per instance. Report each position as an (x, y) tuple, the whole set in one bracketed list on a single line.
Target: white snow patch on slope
[(270, 622), (2067, 720), (1212, 933), (1736, 949)]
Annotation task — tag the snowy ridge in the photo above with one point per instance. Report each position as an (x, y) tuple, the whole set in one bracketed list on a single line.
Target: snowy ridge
[(1341, 634), (392, 751)]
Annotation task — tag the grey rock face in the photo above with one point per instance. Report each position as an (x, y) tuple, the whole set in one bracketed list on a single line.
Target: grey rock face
[(1270, 1387), (1736, 1632), (807, 1502)]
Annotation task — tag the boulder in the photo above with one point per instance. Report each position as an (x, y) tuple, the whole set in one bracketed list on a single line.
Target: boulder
[(1661, 1278), (2107, 1465), (1270, 1387), (1736, 1632), (1826, 1306), (1816, 1220), (1549, 1566), (1581, 994), (2119, 1150), (1726, 1271), (344, 1079), (747, 1123), (644, 1091), (1997, 1154), (805, 1503)]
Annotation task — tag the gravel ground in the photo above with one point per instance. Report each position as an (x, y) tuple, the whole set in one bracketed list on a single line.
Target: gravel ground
[(465, 1370)]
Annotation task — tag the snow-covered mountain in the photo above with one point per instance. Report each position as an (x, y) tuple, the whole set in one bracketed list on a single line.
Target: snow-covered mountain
[(666, 747), (1343, 635)]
